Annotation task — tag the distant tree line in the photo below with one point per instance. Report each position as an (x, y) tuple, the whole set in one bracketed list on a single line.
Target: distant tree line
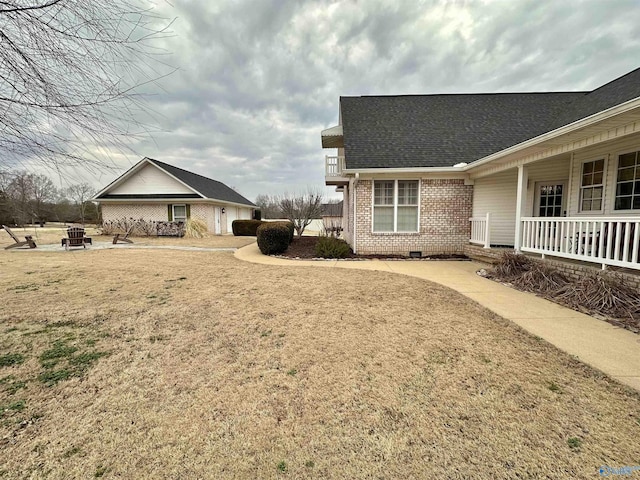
[(27, 198)]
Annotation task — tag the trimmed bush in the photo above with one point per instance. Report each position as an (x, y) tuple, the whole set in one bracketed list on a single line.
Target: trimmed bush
[(331, 247), (290, 227), (273, 237), (245, 228)]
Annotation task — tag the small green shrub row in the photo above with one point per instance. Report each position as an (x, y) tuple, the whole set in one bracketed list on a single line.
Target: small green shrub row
[(331, 247), (245, 228)]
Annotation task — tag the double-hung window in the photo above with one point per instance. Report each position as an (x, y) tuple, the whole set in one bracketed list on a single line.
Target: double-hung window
[(628, 182), (592, 186), (180, 213), (395, 205)]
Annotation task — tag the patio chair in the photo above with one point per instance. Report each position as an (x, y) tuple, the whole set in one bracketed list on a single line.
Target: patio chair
[(118, 237), (28, 239), (75, 238)]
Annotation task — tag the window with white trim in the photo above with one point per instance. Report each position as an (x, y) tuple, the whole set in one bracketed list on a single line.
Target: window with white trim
[(395, 205), (180, 213), (628, 182), (592, 186)]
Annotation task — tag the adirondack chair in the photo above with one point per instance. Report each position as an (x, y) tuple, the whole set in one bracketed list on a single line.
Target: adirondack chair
[(28, 239), (75, 238), (118, 237)]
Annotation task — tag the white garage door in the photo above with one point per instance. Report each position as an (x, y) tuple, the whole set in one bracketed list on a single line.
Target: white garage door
[(232, 214)]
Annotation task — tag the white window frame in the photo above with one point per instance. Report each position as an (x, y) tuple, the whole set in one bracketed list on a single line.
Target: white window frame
[(395, 206), (603, 184), (173, 212), (615, 184)]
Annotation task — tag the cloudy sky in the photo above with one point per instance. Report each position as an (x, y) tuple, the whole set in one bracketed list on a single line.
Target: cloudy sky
[(258, 80)]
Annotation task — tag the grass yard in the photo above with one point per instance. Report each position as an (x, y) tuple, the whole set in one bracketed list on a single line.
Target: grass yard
[(52, 235), (175, 364)]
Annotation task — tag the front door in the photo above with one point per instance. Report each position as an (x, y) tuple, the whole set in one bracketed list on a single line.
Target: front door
[(550, 199)]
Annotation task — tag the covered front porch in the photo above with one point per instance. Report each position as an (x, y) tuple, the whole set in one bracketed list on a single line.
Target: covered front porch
[(581, 205)]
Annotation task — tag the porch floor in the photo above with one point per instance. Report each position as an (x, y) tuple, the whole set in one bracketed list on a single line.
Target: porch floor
[(610, 349)]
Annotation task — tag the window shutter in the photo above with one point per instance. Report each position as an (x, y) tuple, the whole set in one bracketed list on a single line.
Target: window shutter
[(188, 211), (170, 208)]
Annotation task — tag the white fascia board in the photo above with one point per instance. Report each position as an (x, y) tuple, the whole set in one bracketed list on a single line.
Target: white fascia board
[(172, 200), (571, 127)]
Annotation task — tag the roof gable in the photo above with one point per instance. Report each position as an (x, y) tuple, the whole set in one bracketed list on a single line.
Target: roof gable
[(152, 178), (149, 179)]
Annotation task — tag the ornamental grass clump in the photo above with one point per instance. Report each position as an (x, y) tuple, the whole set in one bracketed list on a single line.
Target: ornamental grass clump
[(331, 247), (511, 265), (273, 238), (195, 228), (540, 278), (601, 293)]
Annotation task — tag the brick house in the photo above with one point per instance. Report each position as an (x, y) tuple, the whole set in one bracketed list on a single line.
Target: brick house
[(555, 173), (159, 192)]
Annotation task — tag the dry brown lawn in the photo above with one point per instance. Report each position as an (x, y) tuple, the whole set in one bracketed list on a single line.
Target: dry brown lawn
[(52, 235), (175, 364)]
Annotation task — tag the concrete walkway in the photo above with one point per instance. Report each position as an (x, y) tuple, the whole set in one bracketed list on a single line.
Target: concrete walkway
[(612, 350)]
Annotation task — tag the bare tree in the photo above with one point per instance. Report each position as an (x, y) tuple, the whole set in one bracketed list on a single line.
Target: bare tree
[(43, 192), (71, 74), (269, 206), (29, 196), (80, 194), (301, 208)]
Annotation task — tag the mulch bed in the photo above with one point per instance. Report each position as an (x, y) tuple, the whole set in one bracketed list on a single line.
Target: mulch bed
[(304, 248)]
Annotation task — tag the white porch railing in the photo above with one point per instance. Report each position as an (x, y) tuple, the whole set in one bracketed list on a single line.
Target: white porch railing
[(481, 230), (333, 166), (604, 240)]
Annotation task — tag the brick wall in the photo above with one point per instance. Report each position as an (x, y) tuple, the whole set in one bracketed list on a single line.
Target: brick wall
[(158, 212), (205, 213), (149, 211), (445, 209)]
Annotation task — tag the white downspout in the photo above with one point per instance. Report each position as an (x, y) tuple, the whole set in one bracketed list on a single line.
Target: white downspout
[(355, 209)]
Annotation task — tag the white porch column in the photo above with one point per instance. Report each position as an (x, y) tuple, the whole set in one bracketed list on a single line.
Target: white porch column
[(521, 199)]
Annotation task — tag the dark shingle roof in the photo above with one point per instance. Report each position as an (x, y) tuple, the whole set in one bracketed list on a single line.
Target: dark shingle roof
[(332, 209), (206, 186), (614, 93), (443, 130)]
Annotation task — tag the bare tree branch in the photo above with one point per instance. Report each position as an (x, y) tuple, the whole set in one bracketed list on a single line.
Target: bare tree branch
[(72, 74)]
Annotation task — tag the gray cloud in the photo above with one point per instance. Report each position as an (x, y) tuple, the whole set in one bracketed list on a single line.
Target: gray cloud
[(258, 81)]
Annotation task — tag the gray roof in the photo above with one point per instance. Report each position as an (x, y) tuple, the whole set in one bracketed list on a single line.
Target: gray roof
[(208, 187), (332, 209), (443, 130)]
